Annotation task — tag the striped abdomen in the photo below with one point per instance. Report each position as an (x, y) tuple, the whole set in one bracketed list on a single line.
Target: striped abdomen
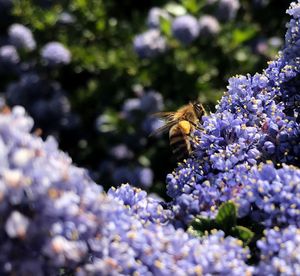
[(179, 142)]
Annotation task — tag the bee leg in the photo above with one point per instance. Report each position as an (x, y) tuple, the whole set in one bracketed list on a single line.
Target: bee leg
[(196, 126)]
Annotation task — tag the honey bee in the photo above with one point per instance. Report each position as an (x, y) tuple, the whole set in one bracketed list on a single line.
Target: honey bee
[(180, 125)]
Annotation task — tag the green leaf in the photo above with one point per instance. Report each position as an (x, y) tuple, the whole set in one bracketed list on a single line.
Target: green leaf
[(243, 233), (175, 9), (191, 5), (226, 217), (165, 26), (203, 224), (241, 35)]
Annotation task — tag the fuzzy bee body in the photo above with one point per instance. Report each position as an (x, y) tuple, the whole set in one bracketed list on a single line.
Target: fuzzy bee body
[(180, 125), (181, 147)]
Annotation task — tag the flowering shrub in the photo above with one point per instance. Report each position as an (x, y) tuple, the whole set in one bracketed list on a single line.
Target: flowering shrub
[(255, 121), (31, 84), (112, 52), (56, 220)]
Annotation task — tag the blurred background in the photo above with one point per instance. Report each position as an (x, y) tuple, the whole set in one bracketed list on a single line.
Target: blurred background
[(91, 72)]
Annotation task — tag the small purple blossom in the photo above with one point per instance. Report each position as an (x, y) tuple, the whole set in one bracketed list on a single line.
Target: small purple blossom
[(149, 44), (54, 53), (154, 16), (185, 28), (227, 9), (9, 55), (208, 25), (151, 102), (21, 37)]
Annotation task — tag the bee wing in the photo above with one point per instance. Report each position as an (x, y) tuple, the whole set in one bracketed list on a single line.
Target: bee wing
[(163, 128), (168, 117)]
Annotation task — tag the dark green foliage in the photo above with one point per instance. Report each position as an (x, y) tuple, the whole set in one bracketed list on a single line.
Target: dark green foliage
[(225, 220)]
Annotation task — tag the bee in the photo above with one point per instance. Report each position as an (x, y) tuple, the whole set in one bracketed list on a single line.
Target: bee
[(180, 125)]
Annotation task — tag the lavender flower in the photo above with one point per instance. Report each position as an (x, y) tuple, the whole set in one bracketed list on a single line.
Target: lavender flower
[(227, 9), (150, 125), (208, 25), (151, 102), (21, 37), (43, 99), (54, 53), (66, 18), (154, 16), (255, 121), (145, 207), (271, 195), (280, 251), (185, 28), (55, 216), (9, 55), (120, 152), (149, 44)]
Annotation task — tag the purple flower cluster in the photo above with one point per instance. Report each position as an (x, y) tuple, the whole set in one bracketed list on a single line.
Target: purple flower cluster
[(142, 205), (54, 53), (21, 37), (55, 219), (280, 251), (186, 28), (124, 164), (255, 121), (33, 87), (208, 25), (227, 9), (9, 58), (154, 16), (271, 196), (44, 100), (149, 44)]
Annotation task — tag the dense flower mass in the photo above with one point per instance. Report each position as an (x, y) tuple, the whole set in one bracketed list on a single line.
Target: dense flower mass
[(280, 251), (55, 217), (56, 221), (271, 196), (255, 121)]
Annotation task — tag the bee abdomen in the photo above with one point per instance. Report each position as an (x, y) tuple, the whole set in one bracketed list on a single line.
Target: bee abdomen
[(179, 143)]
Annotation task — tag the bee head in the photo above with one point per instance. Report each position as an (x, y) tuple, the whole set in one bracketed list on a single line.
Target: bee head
[(199, 109)]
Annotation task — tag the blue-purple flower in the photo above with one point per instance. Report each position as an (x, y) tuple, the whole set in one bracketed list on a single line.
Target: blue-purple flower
[(149, 44), (56, 219), (185, 28), (255, 121), (21, 37), (54, 53), (208, 25), (155, 15), (280, 251)]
